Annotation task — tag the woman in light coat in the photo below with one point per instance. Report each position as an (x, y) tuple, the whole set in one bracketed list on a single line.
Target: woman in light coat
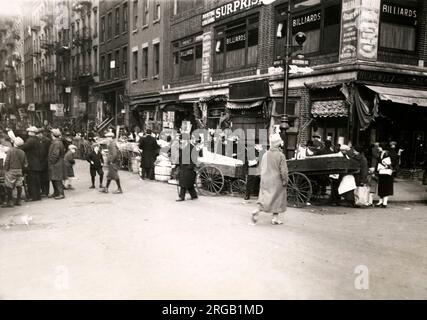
[(274, 179)]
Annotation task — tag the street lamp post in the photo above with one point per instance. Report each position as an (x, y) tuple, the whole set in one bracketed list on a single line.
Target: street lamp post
[(289, 49)]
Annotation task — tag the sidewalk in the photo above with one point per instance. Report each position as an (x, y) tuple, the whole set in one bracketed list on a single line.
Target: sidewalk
[(409, 191)]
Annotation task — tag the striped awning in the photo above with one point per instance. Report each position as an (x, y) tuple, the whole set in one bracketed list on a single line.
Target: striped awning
[(329, 109)]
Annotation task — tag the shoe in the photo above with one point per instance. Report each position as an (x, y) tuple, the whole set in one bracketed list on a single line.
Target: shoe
[(179, 200), (18, 203), (276, 221), (378, 205), (247, 197), (255, 217), (59, 197), (118, 191), (92, 187), (44, 195), (101, 186), (194, 198), (8, 204), (104, 190), (383, 206), (49, 196)]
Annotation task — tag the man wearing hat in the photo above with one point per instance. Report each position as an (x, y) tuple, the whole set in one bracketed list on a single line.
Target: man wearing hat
[(56, 164), (44, 143), (14, 165), (188, 158), (394, 156), (317, 142), (31, 148), (150, 151), (113, 164)]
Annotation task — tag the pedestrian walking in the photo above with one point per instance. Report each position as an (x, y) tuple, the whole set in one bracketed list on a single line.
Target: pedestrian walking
[(150, 151), (96, 161), (44, 143), (31, 147), (14, 166), (56, 164), (113, 164), (69, 162), (188, 158), (385, 176), (274, 179)]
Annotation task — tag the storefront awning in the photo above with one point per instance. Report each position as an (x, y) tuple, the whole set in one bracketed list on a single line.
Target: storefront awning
[(143, 102), (329, 109), (403, 96), (241, 105)]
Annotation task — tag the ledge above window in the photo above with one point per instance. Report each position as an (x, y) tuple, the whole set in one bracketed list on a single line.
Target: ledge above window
[(145, 26), (156, 21)]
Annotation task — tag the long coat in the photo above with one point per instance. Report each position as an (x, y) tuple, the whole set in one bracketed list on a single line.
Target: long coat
[(56, 160), (44, 143), (113, 161), (68, 164), (385, 181), (187, 175), (274, 178), (32, 150), (150, 150)]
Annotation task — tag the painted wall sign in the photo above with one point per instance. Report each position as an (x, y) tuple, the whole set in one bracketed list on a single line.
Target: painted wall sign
[(206, 57), (228, 9), (368, 27), (350, 14), (306, 19)]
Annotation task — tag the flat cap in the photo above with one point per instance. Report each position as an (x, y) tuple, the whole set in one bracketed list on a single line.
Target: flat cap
[(56, 132), (109, 134)]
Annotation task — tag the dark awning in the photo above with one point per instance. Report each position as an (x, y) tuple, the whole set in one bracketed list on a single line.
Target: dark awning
[(399, 95), (240, 105), (329, 109), (176, 104)]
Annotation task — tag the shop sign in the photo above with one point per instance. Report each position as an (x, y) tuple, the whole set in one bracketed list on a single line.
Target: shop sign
[(393, 78), (52, 107), (186, 53), (206, 57), (186, 42), (59, 110), (309, 18), (251, 89), (399, 14), (236, 38), (31, 107), (67, 89), (228, 9)]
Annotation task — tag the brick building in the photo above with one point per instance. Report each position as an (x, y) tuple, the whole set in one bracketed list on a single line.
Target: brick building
[(365, 56), (113, 62), (147, 37)]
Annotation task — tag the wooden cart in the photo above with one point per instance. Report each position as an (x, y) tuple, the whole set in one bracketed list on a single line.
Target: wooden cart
[(302, 172)]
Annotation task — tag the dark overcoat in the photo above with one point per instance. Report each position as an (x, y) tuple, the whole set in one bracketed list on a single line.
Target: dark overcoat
[(56, 160), (113, 161), (44, 152), (150, 151), (187, 166), (32, 150)]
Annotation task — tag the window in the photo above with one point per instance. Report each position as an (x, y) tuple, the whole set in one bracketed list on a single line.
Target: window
[(156, 13), (398, 28), (145, 62), (321, 25), (125, 17), (109, 25), (117, 27), (156, 48), (110, 71), (95, 60), (135, 65), (236, 44), (187, 57), (135, 14), (117, 64), (125, 61), (102, 68), (180, 6), (145, 13), (95, 23)]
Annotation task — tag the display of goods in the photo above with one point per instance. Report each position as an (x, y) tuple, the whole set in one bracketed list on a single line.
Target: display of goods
[(161, 178), (164, 171), (214, 158)]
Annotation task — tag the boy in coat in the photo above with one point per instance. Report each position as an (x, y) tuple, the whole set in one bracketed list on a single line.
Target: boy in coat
[(96, 161), (69, 162), (56, 164), (14, 165), (113, 164)]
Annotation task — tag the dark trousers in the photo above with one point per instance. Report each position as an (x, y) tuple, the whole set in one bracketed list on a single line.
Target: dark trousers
[(335, 197), (93, 172), (44, 182), (34, 186), (252, 184), (58, 188), (192, 191), (147, 172)]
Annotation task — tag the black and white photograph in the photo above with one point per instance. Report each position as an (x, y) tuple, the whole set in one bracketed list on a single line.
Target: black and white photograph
[(233, 150)]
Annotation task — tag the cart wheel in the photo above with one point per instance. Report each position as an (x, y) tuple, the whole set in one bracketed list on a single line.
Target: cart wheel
[(299, 189), (210, 181), (238, 187)]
